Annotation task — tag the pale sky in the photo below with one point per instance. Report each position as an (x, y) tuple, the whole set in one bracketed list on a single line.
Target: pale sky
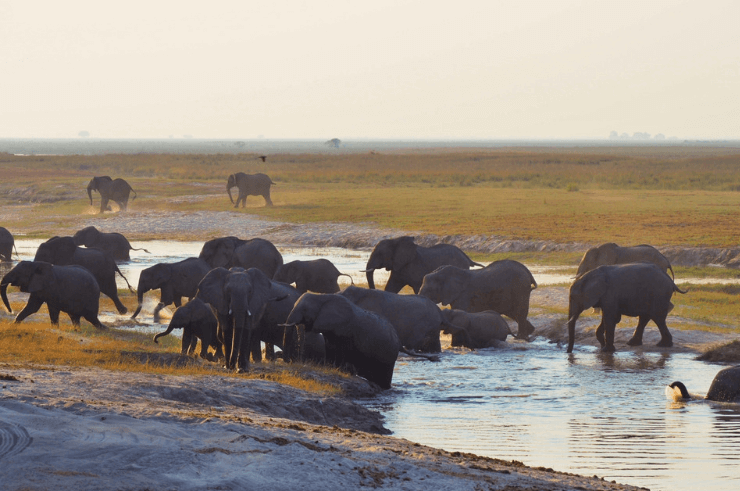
[(370, 69)]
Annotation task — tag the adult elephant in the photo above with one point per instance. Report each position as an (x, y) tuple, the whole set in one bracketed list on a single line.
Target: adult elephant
[(113, 243), (238, 297), (636, 290), (354, 336), (611, 253), (725, 386), (409, 262), (502, 286), (117, 190), (318, 275), (197, 321), (228, 252), (7, 243), (417, 320), (173, 280), (481, 329), (249, 185), (69, 289), (62, 251)]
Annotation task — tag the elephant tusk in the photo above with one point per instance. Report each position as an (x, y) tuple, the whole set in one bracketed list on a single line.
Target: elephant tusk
[(367, 270)]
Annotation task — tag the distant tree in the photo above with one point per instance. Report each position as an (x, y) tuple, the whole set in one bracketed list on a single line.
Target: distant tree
[(613, 135), (639, 135), (83, 134), (624, 136), (334, 142), (660, 136)]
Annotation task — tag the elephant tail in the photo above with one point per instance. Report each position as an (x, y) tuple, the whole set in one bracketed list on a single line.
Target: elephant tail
[(677, 289), (132, 190), (419, 355), (124, 279), (533, 282), (348, 276), (141, 249), (473, 263)]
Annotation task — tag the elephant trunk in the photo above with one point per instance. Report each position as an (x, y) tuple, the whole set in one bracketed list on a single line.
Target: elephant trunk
[(140, 297), (4, 294), (240, 329), (573, 315), (169, 330), (89, 193), (370, 279), (228, 190)]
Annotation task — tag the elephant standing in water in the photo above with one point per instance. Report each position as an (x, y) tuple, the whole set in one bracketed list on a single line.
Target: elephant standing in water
[(117, 190), (611, 253), (249, 185), (636, 290), (409, 262), (484, 329), (113, 243), (502, 286), (228, 252), (7, 243), (725, 386), (69, 289), (197, 321), (318, 275)]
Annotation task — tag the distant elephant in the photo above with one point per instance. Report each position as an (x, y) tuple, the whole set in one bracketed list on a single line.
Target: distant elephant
[(318, 275), (173, 280), (117, 190), (62, 251), (611, 253), (636, 290), (725, 386), (354, 336), (197, 321), (113, 243), (69, 289), (239, 298), (502, 286), (417, 320), (481, 329), (227, 252), (249, 185), (7, 243), (409, 262)]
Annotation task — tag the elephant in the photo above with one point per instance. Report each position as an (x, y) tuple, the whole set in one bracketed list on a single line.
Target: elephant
[(69, 289), (173, 280), (409, 262), (641, 290), (117, 190), (113, 243), (354, 336), (502, 286), (725, 386), (62, 251), (7, 244), (417, 320), (611, 253), (227, 252), (238, 298), (483, 329), (318, 275), (249, 185), (197, 321)]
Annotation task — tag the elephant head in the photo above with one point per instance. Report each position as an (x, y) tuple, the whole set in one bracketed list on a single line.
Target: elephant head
[(94, 185), (323, 312), (152, 278), (444, 285), (57, 250), (88, 236), (287, 273), (29, 276), (585, 292), (218, 252), (598, 256), (390, 254), (230, 183)]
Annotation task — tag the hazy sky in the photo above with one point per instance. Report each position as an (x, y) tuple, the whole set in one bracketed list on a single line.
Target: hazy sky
[(373, 69)]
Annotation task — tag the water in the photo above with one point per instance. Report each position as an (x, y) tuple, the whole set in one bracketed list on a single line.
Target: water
[(586, 413)]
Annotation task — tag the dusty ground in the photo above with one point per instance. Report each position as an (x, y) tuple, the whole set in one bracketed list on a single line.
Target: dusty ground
[(93, 429)]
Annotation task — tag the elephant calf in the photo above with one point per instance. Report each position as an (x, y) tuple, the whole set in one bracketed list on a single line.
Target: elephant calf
[(7, 242), (482, 329), (725, 386), (113, 243), (318, 275), (197, 321)]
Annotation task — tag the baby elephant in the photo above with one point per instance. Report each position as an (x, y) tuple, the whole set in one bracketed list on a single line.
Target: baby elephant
[(197, 321), (480, 329), (318, 275)]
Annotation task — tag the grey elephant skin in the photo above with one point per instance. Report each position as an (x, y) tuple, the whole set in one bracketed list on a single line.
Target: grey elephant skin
[(117, 190), (113, 243), (7, 242), (62, 251), (409, 262), (417, 320), (318, 275), (229, 252), (173, 280), (636, 290), (354, 336), (197, 321), (69, 289), (238, 298), (483, 329), (249, 185), (502, 286), (725, 386), (610, 253)]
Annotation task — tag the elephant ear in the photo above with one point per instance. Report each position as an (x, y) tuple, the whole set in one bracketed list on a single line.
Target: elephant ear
[(593, 287), (261, 286), (607, 254), (453, 283), (39, 277), (160, 274), (405, 252), (335, 315), (211, 289)]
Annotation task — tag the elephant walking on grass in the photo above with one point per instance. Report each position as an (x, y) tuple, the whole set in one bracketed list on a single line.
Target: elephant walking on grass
[(113, 243), (725, 386), (502, 286), (117, 190), (69, 289), (318, 275), (197, 321), (636, 290), (249, 185), (228, 252), (7, 243), (409, 262), (483, 329), (611, 253)]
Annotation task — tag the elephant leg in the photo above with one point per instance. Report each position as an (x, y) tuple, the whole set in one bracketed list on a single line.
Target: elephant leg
[(636, 339), (33, 306), (524, 329), (75, 320), (269, 352), (103, 204), (666, 340), (119, 305), (600, 333), (188, 342), (53, 314), (155, 315), (268, 201), (92, 318), (609, 327), (395, 285), (256, 350)]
